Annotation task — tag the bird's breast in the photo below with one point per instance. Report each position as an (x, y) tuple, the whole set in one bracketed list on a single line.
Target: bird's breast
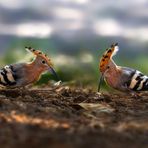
[(112, 78), (111, 81)]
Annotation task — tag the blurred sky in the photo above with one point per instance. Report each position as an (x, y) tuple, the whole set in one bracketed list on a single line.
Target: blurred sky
[(123, 21)]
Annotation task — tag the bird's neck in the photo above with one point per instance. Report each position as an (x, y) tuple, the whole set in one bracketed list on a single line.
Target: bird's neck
[(113, 69), (33, 66), (111, 72), (34, 71), (112, 75), (112, 65)]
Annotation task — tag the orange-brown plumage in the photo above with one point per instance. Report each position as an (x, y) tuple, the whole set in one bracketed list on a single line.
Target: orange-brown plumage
[(22, 74), (121, 78), (38, 53), (107, 56)]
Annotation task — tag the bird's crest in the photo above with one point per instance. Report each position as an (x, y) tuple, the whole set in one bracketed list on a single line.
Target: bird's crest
[(107, 56), (40, 54)]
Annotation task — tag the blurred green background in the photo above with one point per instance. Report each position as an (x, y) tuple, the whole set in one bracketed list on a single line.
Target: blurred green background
[(75, 33)]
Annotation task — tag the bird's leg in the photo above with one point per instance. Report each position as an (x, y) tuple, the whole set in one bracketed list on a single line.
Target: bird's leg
[(100, 82)]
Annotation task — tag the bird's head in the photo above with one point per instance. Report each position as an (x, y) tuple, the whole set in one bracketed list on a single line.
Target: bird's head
[(106, 62), (43, 61)]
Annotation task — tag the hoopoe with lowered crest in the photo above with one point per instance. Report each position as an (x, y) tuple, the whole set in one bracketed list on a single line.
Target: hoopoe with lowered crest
[(121, 78), (22, 74)]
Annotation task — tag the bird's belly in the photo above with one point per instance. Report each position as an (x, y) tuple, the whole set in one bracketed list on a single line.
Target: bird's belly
[(33, 78)]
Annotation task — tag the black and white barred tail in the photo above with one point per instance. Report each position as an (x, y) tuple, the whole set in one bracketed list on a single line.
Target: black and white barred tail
[(7, 76), (139, 81)]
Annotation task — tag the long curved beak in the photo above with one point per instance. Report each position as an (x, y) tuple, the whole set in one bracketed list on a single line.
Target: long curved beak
[(54, 73), (100, 82)]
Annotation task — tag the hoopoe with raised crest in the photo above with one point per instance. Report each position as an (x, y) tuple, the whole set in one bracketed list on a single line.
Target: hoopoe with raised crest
[(22, 74), (120, 78)]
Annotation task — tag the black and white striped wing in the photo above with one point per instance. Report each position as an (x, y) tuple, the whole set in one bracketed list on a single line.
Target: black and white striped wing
[(139, 81), (7, 76)]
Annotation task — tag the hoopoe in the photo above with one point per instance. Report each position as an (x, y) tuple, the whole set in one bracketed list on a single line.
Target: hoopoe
[(121, 78), (22, 74)]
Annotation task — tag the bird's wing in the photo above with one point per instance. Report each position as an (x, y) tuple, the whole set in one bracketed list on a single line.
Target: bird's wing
[(134, 79), (11, 75), (7, 76)]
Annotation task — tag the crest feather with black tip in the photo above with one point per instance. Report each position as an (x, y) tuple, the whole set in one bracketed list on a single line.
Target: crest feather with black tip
[(39, 53), (107, 56)]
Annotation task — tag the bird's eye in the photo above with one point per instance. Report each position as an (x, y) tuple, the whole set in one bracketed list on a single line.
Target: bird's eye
[(43, 62), (108, 67)]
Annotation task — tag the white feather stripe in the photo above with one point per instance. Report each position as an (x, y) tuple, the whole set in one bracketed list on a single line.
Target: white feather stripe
[(2, 79), (10, 77), (141, 84), (29, 49), (134, 81), (9, 74), (115, 51)]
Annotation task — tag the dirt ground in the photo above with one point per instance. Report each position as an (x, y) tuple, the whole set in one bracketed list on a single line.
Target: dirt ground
[(72, 118)]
